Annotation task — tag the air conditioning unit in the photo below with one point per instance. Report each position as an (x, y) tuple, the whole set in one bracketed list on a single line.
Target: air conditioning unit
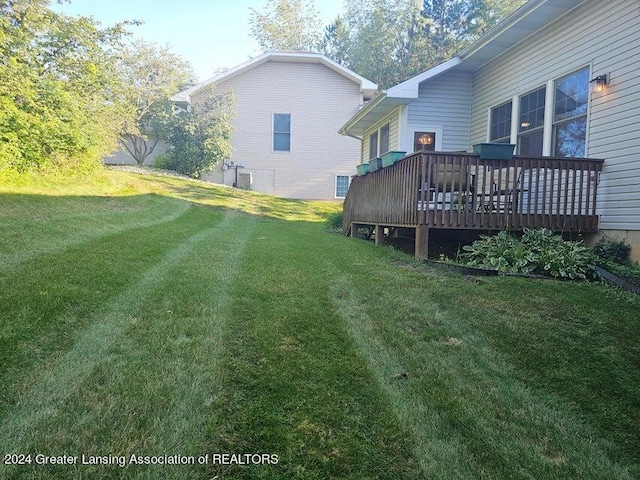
[(245, 180)]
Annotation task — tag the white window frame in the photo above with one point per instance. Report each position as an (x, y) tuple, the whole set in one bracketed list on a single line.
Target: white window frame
[(412, 129), (548, 125), (273, 133), (377, 144), (335, 185)]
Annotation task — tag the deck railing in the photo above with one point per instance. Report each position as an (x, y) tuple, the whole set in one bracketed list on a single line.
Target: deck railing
[(462, 191)]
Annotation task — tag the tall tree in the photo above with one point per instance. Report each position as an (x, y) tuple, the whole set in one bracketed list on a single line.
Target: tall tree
[(382, 40), (389, 41), (57, 87), (287, 25), (151, 74), (453, 24)]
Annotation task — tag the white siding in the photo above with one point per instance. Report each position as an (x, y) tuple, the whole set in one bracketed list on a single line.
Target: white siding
[(606, 37), (445, 101), (320, 101)]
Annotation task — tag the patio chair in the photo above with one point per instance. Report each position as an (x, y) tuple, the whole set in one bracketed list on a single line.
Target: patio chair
[(501, 194)]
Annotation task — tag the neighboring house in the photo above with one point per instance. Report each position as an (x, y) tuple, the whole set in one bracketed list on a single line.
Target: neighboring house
[(289, 107), (123, 157), (530, 81)]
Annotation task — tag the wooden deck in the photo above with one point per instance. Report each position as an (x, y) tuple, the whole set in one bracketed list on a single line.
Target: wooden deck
[(461, 191)]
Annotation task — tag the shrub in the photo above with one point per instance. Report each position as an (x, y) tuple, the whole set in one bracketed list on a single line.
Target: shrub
[(538, 251), (334, 221)]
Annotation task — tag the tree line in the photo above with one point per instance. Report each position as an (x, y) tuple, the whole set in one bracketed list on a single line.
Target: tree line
[(386, 41), (71, 92)]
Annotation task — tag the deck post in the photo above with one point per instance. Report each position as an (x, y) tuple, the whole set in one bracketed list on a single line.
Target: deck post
[(422, 242), (379, 235), (354, 230)]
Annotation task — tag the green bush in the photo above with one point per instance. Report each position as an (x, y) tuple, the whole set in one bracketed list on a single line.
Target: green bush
[(164, 161), (538, 251), (334, 221)]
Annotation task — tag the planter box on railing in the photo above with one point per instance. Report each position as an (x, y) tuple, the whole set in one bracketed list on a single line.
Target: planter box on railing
[(363, 169), (494, 151), (375, 164), (390, 158)]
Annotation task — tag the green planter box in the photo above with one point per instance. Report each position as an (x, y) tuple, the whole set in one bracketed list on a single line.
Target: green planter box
[(375, 164), (390, 158), (494, 151), (363, 169)]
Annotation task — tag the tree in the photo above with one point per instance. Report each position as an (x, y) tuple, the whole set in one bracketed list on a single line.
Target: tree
[(201, 137), (453, 24), (58, 90), (287, 25), (151, 74), (389, 41), (382, 40)]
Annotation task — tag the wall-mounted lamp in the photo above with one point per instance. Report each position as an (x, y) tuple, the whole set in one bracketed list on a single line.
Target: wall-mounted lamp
[(599, 84), (425, 139)]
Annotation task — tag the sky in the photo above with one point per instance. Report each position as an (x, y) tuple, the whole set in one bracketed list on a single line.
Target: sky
[(211, 35)]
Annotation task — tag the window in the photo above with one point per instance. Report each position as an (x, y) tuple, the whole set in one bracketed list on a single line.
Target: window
[(530, 129), (384, 139), (500, 124), (570, 114), (282, 132), (373, 145), (342, 186), (424, 141)]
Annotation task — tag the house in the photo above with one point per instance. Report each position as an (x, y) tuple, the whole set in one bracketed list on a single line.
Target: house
[(560, 79), (289, 106)]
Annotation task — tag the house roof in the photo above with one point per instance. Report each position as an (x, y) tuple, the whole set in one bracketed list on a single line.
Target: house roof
[(367, 87), (516, 28)]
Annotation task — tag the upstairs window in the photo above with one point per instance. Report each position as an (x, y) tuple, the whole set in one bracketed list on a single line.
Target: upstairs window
[(570, 114), (282, 132), (500, 124)]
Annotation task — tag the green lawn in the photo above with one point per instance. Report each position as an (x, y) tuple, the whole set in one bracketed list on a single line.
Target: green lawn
[(154, 316)]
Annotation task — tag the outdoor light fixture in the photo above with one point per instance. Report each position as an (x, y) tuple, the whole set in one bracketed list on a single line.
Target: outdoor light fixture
[(599, 84), (425, 139)]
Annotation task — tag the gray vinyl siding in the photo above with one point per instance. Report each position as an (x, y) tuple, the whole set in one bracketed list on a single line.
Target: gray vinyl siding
[(606, 38), (445, 101), (320, 101)]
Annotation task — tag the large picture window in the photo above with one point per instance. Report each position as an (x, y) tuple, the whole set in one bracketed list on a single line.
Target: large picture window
[(570, 114), (282, 132), (531, 127), (500, 124)]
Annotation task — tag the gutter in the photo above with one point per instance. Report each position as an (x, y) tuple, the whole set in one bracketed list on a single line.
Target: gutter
[(375, 100)]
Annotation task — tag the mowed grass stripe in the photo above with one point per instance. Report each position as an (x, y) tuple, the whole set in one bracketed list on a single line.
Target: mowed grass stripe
[(47, 301), (156, 385), (61, 224), (294, 385), (61, 379), (461, 400)]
